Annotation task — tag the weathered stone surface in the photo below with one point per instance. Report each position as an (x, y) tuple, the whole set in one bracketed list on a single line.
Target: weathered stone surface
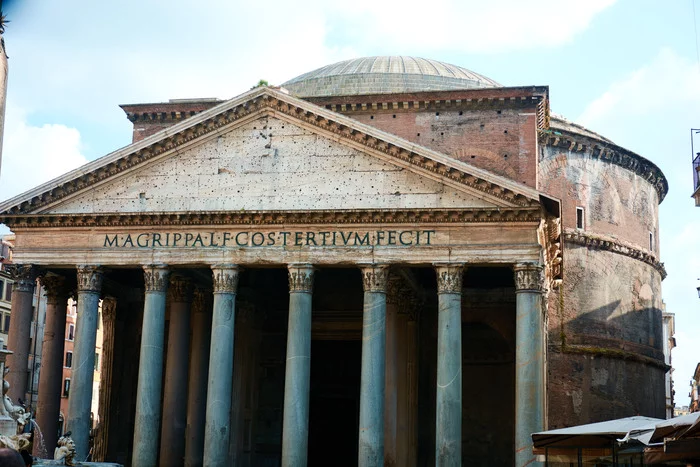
[(268, 164)]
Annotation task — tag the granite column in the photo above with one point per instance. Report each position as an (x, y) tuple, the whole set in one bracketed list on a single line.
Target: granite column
[(172, 440), (82, 373), (448, 414), (529, 360), (295, 426), (51, 374), (150, 379), (197, 381), (220, 382), (371, 443), (24, 277)]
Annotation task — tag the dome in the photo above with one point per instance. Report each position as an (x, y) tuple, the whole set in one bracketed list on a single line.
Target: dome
[(385, 75)]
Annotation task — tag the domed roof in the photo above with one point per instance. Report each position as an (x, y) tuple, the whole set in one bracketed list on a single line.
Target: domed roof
[(385, 75)]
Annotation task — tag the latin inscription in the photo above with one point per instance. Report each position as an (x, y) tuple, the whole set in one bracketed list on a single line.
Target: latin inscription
[(246, 238)]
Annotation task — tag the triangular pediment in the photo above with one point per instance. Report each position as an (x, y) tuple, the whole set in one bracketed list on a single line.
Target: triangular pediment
[(267, 151)]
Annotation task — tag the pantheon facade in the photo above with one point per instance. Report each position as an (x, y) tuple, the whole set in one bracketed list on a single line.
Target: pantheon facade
[(385, 261)]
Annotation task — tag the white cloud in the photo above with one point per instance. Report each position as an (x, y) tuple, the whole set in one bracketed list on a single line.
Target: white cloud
[(33, 155), (669, 78), (469, 26)]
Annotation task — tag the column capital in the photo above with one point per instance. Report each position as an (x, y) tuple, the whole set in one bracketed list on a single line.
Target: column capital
[(109, 308), (301, 278), (55, 288), (225, 278), (449, 277), (375, 277), (155, 277), (89, 278), (181, 289), (23, 275), (528, 277), (201, 299)]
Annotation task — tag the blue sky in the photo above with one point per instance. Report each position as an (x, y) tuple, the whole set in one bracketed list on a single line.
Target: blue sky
[(628, 69)]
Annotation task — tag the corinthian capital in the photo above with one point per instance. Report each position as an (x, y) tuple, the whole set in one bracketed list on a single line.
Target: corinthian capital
[(155, 277), (301, 278), (375, 277), (89, 278), (180, 289), (225, 278), (449, 278), (528, 277), (55, 287), (23, 275)]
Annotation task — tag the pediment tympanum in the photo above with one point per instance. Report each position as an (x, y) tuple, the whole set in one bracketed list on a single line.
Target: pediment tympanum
[(266, 151)]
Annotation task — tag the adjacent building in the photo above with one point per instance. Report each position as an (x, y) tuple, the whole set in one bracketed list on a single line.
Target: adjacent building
[(388, 259)]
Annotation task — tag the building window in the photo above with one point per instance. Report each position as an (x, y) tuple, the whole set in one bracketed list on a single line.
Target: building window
[(651, 241), (6, 323), (69, 359), (2, 288), (71, 332), (66, 387), (580, 218), (97, 361), (8, 291), (99, 319)]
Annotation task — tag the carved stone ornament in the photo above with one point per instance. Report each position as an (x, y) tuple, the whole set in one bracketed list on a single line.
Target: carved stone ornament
[(180, 289), (301, 278), (201, 300), (55, 288), (23, 275), (225, 278), (375, 278), (528, 277), (156, 278), (449, 278), (109, 309), (89, 278)]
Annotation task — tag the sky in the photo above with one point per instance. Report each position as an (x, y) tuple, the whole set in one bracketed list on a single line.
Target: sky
[(628, 69)]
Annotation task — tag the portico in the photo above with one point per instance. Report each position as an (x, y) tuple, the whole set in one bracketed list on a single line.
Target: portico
[(323, 269)]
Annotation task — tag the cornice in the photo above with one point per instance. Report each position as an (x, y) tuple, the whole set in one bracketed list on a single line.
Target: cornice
[(272, 103), (603, 242), (348, 216), (608, 152)]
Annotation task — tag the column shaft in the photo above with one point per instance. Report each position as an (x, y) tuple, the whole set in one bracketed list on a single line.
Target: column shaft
[(295, 427), (371, 443), (51, 374), (24, 277), (218, 422), (172, 440), (448, 414), (529, 361), (101, 440), (150, 379), (83, 368), (198, 373), (391, 375)]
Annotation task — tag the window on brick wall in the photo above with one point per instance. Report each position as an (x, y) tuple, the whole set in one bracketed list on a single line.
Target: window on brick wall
[(580, 218), (69, 359), (71, 332), (66, 387)]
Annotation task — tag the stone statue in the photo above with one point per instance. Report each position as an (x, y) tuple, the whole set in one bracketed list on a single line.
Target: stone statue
[(16, 412), (65, 450), (21, 442)]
